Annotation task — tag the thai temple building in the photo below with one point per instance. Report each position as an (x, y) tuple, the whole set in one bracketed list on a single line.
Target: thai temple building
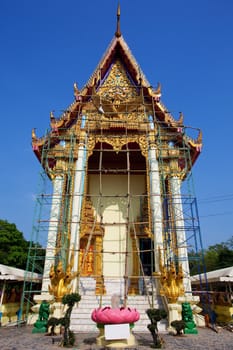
[(115, 210)]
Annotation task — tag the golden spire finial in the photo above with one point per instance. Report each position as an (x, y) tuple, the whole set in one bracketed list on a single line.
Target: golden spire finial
[(199, 138), (118, 30)]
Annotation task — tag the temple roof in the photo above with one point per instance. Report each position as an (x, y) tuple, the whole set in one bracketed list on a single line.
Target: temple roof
[(117, 51)]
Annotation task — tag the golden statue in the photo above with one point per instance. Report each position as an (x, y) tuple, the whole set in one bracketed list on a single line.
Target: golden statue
[(171, 281), (60, 279)]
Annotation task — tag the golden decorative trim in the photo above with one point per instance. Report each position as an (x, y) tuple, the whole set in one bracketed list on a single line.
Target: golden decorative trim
[(134, 281), (171, 281), (172, 219), (118, 89), (90, 262), (86, 259), (100, 288), (196, 143), (88, 222), (117, 142)]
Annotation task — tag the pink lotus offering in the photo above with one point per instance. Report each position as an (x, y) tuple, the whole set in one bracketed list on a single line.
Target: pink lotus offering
[(108, 315)]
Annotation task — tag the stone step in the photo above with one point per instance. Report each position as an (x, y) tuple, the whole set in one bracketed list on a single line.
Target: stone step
[(81, 318), (87, 286), (81, 315)]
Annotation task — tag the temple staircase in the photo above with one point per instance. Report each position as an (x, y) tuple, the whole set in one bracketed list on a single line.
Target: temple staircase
[(81, 315)]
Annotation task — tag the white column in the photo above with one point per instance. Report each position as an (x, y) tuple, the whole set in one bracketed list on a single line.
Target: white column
[(77, 205), (156, 204), (53, 228), (180, 229)]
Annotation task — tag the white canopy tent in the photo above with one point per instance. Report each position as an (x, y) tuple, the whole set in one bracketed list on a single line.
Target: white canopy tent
[(8, 273), (221, 275), (14, 274)]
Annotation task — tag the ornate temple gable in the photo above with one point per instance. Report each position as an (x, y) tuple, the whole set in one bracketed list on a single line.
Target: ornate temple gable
[(119, 102), (118, 49), (117, 85)]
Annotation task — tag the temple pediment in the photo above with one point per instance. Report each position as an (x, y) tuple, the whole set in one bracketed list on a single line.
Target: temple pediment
[(118, 96)]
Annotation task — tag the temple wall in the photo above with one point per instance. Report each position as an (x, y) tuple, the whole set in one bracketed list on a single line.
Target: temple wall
[(114, 207)]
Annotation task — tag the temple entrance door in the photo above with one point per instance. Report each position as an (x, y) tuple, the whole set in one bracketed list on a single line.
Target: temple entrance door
[(147, 255), (117, 183)]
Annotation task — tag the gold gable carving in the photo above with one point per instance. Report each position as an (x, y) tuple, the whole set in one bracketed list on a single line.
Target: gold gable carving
[(117, 87), (117, 103)]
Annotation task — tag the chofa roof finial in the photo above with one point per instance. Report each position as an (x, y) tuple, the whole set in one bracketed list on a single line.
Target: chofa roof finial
[(118, 29)]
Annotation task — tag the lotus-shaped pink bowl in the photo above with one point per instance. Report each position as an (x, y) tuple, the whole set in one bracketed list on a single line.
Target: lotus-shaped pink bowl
[(107, 315)]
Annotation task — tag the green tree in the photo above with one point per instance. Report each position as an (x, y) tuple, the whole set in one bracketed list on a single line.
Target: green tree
[(216, 257), (195, 262), (229, 243), (14, 249), (211, 258), (13, 246), (225, 257)]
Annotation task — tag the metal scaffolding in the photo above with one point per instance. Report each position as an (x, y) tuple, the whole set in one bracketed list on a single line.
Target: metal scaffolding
[(119, 148)]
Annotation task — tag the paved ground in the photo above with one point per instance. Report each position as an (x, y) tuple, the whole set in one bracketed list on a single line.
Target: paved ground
[(14, 338)]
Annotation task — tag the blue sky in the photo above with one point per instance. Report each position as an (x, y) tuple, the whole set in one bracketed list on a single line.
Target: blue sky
[(48, 45)]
